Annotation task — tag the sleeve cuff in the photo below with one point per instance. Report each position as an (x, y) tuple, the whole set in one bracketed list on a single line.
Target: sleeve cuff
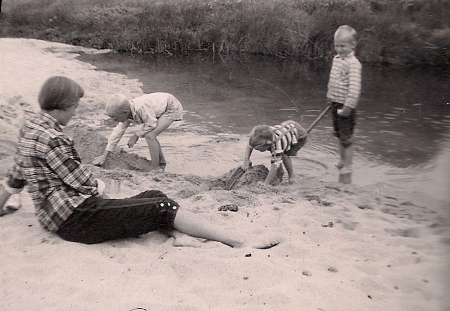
[(100, 186)]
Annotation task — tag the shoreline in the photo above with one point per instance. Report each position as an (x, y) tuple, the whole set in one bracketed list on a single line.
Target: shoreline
[(384, 248)]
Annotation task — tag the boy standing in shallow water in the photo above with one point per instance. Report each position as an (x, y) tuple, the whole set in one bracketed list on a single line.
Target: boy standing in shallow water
[(156, 111), (344, 89), (283, 141)]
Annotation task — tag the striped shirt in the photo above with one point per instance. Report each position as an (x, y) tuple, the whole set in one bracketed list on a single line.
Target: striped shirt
[(47, 162), (285, 135), (344, 85)]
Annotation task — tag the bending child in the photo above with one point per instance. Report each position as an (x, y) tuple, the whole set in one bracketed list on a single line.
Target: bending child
[(156, 111), (344, 88), (283, 141), (71, 203)]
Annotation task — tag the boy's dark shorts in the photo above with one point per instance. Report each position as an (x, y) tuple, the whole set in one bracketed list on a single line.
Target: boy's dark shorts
[(343, 126), (302, 136), (296, 147), (98, 220)]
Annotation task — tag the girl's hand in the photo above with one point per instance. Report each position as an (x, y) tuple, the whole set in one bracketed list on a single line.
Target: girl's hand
[(133, 139)]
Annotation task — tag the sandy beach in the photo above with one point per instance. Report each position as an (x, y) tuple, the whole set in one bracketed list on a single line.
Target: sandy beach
[(343, 247)]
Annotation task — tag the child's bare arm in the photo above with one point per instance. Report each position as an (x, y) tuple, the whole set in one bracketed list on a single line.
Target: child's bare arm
[(272, 173), (248, 153)]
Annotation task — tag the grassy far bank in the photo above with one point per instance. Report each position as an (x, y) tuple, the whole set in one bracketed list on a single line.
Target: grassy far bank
[(404, 32)]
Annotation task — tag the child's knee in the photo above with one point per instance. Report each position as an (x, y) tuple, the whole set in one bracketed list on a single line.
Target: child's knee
[(150, 136)]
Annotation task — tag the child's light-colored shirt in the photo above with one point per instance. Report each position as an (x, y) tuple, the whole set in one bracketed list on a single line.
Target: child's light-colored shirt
[(145, 110), (344, 85)]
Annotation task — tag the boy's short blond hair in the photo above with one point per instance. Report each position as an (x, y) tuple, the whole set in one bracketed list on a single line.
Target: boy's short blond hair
[(260, 135), (115, 104), (346, 31)]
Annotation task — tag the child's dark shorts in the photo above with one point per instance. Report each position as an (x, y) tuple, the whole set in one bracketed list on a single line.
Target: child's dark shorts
[(343, 126), (98, 220), (301, 140)]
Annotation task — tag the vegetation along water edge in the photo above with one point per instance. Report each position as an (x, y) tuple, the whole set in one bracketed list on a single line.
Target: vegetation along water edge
[(400, 32)]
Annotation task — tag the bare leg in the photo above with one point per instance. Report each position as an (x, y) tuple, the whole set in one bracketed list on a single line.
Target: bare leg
[(288, 164), (191, 224), (348, 157), (154, 146), (341, 157)]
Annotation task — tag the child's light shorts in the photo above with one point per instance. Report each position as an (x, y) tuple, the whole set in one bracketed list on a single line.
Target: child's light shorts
[(174, 110)]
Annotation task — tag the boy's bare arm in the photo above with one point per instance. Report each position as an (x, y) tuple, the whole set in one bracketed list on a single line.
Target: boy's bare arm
[(248, 153), (272, 173)]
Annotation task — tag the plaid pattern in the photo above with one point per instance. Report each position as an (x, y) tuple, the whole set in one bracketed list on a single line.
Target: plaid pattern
[(344, 85), (286, 135), (48, 163)]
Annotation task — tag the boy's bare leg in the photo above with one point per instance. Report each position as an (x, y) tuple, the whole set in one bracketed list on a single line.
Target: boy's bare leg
[(153, 143), (341, 157), (288, 164), (348, 157), (162, 159), (196, 226)]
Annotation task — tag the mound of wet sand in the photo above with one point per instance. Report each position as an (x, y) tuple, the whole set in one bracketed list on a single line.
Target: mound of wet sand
[(90, 144)]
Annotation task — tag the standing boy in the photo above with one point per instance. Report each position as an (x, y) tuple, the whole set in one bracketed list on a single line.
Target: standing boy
[(156, 111), (344, 89)]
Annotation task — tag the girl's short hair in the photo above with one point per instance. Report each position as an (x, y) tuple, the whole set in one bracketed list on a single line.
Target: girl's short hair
[(59, 93), (260, 135)]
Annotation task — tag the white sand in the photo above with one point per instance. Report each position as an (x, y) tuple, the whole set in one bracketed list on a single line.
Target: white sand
[(387, 250)]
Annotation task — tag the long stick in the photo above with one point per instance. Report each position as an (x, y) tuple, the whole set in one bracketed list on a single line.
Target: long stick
[(318, 118)]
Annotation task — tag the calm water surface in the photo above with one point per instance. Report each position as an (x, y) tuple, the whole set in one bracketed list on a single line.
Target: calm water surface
[(403, 126)]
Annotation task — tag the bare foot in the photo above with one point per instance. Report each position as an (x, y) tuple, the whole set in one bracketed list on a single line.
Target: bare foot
[(156, 168), (13, 204), (292, 180), (184, 240), (261, 243)]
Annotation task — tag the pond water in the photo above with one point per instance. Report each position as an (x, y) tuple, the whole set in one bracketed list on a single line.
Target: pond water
[(403, 128)]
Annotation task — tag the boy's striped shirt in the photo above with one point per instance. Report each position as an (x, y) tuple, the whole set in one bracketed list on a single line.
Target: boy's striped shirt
[(286, 135), (344, 85)]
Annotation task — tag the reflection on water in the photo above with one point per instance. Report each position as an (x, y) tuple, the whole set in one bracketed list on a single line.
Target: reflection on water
[(403, 127)]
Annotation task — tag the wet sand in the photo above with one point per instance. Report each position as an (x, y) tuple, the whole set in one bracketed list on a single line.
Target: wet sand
[(344, 247)]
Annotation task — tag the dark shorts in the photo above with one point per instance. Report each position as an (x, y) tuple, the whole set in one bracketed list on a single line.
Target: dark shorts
[(302, 136), (98, 220), (343, 126), (296, 147)]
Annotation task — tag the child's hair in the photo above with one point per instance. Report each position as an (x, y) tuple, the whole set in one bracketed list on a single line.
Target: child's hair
[(59, 93), (115, 104), (260, 135), (346, 30)]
